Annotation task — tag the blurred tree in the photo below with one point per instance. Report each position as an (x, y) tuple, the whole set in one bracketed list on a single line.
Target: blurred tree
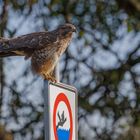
[(132, 134), (4, 135), (3, 22), (102, 62)]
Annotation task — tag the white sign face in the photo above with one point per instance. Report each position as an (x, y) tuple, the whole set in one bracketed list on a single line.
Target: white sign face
[(62, 103)]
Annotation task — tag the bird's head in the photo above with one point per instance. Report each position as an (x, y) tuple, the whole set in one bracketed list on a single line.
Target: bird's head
[(66, 30)]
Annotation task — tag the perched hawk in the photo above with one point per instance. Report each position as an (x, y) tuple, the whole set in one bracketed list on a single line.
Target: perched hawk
[(44, 48)]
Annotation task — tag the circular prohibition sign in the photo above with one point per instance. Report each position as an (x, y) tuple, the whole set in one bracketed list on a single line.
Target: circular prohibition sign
[(62, 98)]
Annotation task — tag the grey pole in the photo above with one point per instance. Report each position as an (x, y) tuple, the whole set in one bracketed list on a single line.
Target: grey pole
[(57, 73), (46, 108)]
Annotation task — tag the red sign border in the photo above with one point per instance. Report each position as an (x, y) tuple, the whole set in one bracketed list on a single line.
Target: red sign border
[(62, 97)]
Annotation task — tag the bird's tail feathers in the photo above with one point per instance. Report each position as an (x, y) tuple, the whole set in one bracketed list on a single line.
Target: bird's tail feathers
[(7, 54), (5, 48)]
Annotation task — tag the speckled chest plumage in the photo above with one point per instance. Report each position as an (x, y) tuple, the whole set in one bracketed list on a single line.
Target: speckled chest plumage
[(44, 60)]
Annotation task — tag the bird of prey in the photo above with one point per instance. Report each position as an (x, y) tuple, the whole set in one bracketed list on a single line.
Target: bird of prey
[(44, 48)]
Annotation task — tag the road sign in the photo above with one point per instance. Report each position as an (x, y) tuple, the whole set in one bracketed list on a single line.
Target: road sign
[(62, 112)]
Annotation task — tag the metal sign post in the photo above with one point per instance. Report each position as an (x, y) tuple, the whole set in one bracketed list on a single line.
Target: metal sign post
[(57, 73), (46, 111), (60, 111)]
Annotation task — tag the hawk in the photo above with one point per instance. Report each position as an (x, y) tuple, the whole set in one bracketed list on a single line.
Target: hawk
[(44, 48)]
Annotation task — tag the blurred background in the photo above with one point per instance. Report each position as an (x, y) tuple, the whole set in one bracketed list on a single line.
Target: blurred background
[(102, 62)]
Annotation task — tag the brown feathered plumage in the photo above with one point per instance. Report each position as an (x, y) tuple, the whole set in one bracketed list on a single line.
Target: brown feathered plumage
[(44, 48)]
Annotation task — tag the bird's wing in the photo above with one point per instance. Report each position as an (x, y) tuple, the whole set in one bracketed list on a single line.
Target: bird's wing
[(27, 43), (3, 47)]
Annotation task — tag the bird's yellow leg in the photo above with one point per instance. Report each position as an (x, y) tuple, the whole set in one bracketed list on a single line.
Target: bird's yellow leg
[(49, 77)]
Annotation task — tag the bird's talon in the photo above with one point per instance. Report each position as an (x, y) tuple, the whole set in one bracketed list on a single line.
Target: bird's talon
[(52, 79)]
